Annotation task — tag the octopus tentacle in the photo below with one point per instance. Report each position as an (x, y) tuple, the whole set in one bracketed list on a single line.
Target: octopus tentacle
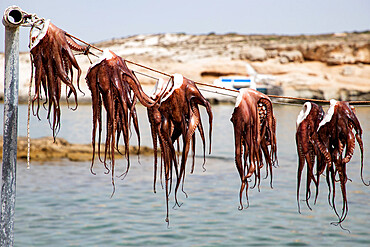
[(154, 134), (359, 141), (301, 162), (60, 72), (53, 61), (343, 180), (193, 155), (39, 79), (193, 124), (92, 85), (195, 110), (173, 116), (310, 165), (329, 141), (135, 122), (109, 88), (53, 89), (168, 153), (271, 125), (238, 160), (199, 99), (351, 142), (254, 117), (320, 167), (74, 46), (72, 60), (323, 149), (307, 124), (268, 161), (136, 87), (308, 189)]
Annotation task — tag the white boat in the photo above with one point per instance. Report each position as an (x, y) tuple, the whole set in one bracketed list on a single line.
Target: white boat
[(238, 82), (254, 80)]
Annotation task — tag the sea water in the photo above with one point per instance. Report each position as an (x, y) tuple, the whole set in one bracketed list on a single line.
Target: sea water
[(60, 203)]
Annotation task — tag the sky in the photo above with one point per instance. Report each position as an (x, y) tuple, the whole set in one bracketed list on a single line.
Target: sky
[(95, 21)]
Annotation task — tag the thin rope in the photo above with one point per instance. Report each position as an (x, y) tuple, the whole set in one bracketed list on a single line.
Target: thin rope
[(296, 98), (234, 96), (353, 102), (359, 102), (28, 117), (223, 88), (146, 67), (141, 73), (286, 103)]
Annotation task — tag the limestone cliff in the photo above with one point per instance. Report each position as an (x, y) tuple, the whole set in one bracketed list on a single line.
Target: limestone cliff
[(315, 66)]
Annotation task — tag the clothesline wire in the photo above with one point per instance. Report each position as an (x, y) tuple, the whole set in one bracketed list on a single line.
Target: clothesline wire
[(146, 67), (286, 103), (214, 86), (143, 66), (218, 92), (141, 73)]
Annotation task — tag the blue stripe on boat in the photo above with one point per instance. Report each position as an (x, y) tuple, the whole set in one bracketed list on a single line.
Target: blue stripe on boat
[(242, 80), (226, 80), (235, 80)]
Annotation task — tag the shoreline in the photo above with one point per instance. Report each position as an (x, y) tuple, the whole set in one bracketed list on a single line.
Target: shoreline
[(45, 149)]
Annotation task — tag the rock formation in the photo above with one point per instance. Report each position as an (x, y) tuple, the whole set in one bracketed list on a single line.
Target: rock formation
[(314, 66), (45, 149)]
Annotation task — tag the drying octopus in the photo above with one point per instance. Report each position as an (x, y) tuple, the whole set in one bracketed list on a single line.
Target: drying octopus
[(176, 114), (53, 61), (113, 85), (307, 124), (333, 143), (254, 132)]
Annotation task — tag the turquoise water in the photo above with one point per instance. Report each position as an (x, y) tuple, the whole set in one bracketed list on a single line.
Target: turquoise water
[(62, 204)]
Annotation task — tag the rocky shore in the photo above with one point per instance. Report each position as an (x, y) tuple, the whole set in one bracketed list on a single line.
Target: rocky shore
[(310, 66), (45, 149)]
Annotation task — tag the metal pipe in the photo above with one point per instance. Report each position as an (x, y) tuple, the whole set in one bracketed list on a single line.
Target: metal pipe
[(12, 19)]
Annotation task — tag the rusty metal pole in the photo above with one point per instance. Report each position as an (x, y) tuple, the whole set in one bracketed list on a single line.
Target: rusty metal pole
[(13, 17)]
